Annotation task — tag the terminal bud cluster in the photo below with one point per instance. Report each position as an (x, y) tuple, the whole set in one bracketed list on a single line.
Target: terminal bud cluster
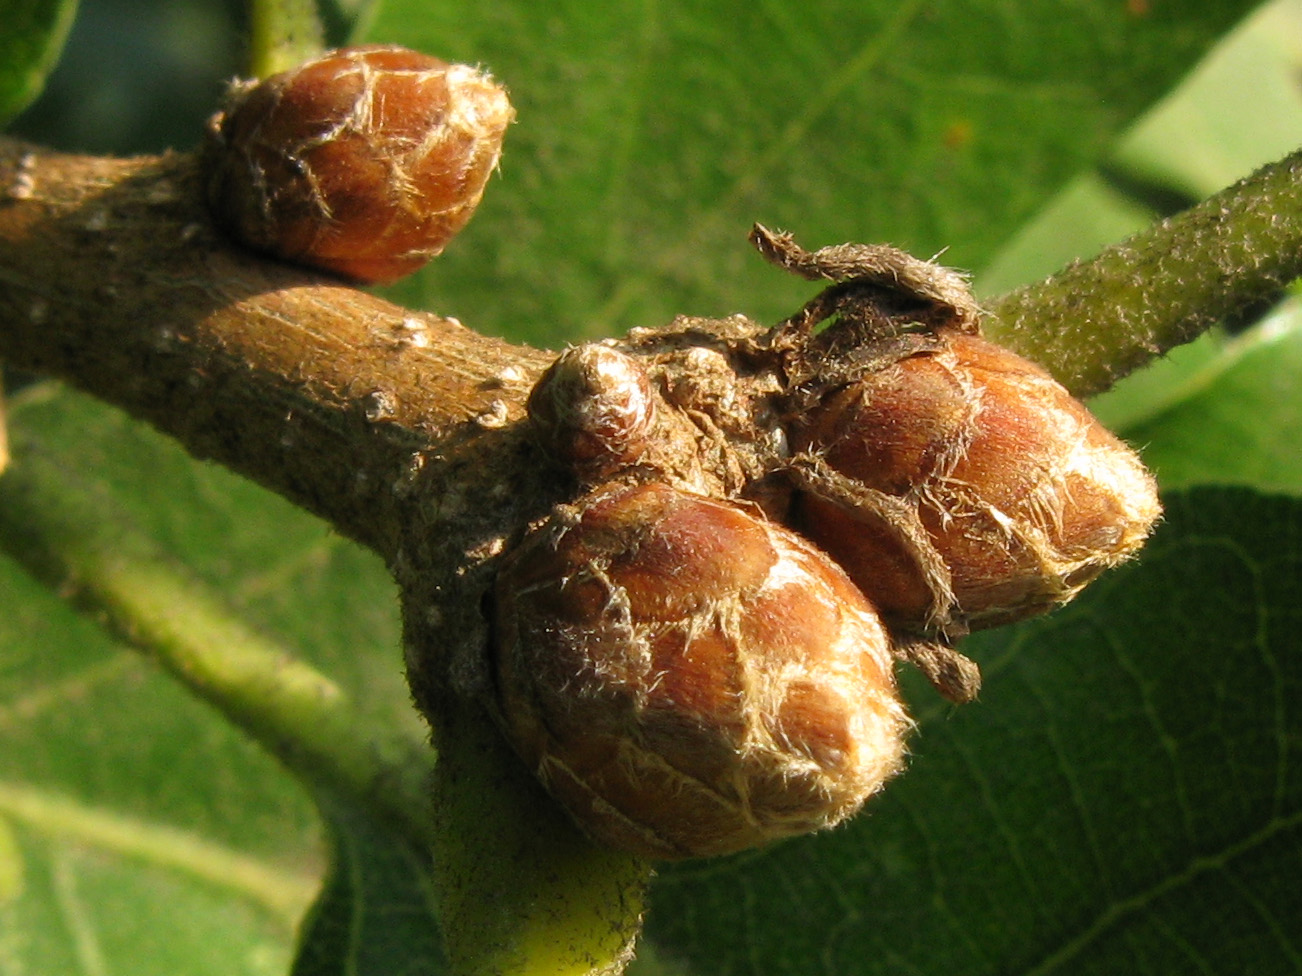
[(694, 652)]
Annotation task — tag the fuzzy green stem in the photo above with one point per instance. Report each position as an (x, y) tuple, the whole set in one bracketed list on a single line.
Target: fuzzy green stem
[(520, 891), (64, 533), (1098, 320)]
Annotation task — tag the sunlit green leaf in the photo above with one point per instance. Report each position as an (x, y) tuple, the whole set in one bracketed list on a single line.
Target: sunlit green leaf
[(650, 137), (1238, 418), (112, 771)]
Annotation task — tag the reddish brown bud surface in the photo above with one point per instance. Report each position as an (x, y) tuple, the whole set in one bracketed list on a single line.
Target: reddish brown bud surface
[(364, 162), (593, 409), (1021, 494), (688, 679)]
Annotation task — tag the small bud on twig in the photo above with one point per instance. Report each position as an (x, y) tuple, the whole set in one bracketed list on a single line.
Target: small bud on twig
[(593, 409), (364, 162)]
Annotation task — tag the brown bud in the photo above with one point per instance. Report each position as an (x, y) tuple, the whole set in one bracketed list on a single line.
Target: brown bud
[(688, 679), (974, 480), (364, 162), (593, 409)]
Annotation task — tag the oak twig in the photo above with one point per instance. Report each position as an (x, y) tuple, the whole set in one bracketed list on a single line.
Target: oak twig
[(1098, 320), (112, 278), (401, 429), (397, 427)]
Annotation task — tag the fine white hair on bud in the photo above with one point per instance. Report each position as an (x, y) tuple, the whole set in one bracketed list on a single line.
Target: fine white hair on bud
[(364, 162), (688, 679), (963, 484), (593, 409)]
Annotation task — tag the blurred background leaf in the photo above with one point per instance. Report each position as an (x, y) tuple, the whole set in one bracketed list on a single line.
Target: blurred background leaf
[(216, 850), (33, 36), (1063, 820)]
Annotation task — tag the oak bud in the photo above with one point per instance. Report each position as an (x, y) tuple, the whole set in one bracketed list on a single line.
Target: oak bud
[(688, 679), (593, 409), (364, 162), (1021, 494)]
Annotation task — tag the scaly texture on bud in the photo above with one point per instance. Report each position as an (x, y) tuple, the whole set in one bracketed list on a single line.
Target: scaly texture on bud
[(593, 409), (1024, 496), (688, 679), (364, 162)]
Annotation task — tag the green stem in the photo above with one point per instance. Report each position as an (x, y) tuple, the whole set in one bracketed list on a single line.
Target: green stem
[(282, 33), (1098, 320), (66, 534), (520, 891), (4, 426)]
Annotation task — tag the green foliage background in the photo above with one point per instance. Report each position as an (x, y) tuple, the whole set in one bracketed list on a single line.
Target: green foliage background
[(1124, 796)]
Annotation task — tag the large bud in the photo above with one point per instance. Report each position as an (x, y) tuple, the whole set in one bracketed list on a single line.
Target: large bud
[(974, 488), (689, 679)]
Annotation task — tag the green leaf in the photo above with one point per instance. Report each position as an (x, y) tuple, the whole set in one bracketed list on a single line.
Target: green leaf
[(33, 36), (649, 139), (95, 882), (1237, 419), (279, 568), (1239, 110), (375, 915), (1125, 796), (1206, 140), (128, 796)]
